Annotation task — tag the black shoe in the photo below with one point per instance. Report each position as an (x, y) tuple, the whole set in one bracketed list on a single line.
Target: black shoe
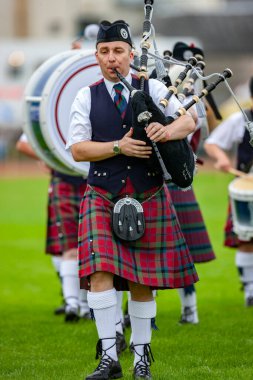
[(127, 322), (142, 367), (249, 301), (131, 348), (107, 368), (60, 310), (142, 371), (189, 316), (121, 344), (71, 315), (85, 315)]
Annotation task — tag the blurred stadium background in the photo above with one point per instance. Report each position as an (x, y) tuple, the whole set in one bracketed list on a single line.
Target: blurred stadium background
[(33, 30)]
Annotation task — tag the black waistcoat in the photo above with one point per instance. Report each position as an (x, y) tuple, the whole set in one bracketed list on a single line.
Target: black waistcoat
[(111, 174)]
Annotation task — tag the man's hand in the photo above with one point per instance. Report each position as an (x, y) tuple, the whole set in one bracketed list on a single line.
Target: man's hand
[(134, 148), (157, 132)]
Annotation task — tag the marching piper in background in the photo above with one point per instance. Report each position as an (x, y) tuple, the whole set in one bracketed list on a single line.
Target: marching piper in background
[(153, 254), (233, 132), (186, 204), (64, 197)]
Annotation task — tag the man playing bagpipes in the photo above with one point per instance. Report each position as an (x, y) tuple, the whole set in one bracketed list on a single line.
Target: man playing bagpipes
[(129, 236)]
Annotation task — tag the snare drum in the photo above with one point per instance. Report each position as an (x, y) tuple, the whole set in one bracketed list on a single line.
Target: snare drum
[(48, 98), (241, 195)]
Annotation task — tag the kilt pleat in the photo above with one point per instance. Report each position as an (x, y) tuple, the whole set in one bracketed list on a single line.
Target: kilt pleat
[(192, 224), (64, 200), (160, 259)]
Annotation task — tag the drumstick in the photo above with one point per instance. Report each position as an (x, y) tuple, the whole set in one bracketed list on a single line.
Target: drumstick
[(239, 173)]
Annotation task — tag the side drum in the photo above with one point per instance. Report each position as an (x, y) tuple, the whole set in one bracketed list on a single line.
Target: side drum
[(49, 95), (241, 195)]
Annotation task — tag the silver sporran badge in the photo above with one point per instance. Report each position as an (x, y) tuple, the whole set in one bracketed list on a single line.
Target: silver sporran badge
[(128, 219)]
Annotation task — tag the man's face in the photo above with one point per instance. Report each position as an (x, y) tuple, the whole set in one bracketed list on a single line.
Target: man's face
[(114, 55)]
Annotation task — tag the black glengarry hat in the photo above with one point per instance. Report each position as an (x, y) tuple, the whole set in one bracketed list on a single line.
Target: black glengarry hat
[(116, 31), (183, 52)]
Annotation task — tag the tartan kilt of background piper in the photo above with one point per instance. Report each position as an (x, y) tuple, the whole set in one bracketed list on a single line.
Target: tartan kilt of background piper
[(63, 215), (192, 224), (230, 239), (160, 259)]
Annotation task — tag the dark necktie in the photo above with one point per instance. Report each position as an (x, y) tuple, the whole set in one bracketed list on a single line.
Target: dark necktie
[(120, 100)]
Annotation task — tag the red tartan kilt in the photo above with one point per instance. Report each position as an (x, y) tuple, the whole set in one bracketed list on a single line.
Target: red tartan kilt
[(192, 224), (159, 259), (63, 215)]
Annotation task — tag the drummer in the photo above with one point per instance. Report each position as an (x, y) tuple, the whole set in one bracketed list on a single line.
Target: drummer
[(233, 132)]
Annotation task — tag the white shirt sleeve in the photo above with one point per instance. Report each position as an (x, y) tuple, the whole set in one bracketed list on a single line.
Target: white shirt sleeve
[(229, 132), (80, 126)]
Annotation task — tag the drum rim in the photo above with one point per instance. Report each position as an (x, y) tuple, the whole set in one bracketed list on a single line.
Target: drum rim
[(29, 91), (240, 194), (53, 97)]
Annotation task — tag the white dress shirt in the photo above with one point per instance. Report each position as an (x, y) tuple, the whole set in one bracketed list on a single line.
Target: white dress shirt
[(229, 133)]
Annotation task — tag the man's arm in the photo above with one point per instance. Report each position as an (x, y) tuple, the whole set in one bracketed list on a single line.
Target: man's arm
[(25, 147), (222, 161), (97, 151)]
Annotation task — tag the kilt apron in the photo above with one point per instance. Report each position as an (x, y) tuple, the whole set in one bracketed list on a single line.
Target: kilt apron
[(160, 259)]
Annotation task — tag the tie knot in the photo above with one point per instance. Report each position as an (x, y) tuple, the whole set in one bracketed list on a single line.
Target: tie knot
[(118, 88)]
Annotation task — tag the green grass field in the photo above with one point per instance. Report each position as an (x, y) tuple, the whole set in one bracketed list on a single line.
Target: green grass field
[(35, 344)]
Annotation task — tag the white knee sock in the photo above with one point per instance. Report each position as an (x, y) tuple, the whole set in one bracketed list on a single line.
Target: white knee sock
[(70, 283), (83, 303), (57, 260), (119, 313), (140, 315), (188, 298), (244, 263), (104, 309)]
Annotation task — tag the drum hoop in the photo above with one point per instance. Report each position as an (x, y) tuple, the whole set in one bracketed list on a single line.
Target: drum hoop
[(30, 88), (59, 96), (51, 97), (240, 194)]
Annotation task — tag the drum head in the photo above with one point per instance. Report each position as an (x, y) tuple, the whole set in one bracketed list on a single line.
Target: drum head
[(58, 95), (32, 102)]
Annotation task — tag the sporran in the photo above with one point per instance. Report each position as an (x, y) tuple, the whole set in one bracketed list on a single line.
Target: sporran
[(128, 222)]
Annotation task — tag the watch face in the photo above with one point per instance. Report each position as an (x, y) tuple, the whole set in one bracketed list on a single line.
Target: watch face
[(116, 149)]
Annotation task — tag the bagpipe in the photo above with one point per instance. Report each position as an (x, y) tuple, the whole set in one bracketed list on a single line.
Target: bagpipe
[(174, 158)]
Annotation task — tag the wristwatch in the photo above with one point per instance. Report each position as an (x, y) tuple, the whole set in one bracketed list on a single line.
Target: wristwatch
[(116, 148)]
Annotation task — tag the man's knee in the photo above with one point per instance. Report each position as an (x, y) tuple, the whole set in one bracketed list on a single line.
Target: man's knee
[(101, 281), (71, 254), (141, 293)]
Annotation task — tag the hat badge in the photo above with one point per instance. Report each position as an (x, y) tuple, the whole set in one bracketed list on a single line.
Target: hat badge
[(124, 33)]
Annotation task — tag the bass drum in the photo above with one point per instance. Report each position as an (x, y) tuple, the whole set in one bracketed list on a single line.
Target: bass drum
[(48, 99)]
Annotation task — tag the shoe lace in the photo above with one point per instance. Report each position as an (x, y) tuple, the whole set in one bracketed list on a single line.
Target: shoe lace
[(142, 366), (100, 352)]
